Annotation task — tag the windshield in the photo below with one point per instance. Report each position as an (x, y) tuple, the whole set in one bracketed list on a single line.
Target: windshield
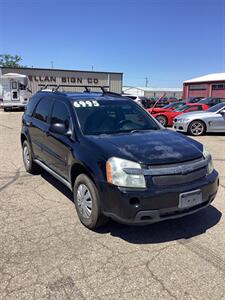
[(205, 100), (170, 105), (112, 117), (216, 107), (183, 108)]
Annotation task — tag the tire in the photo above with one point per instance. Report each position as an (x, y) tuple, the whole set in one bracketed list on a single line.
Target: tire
[(87, 203), (29, 164), (197, 128), (5, 109), (162, 120)]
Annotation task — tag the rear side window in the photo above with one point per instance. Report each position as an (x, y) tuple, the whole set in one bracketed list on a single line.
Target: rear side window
[(42, 110), (194, 108), (31, 104), (60, 114)]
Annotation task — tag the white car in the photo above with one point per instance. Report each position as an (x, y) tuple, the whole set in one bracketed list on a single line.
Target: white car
[(200, 122), (138, 99)]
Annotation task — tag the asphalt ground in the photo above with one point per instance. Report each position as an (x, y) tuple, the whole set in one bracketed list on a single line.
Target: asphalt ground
[(45, 252)]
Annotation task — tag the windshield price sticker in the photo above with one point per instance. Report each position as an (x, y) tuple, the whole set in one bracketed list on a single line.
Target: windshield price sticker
[(88, 103)]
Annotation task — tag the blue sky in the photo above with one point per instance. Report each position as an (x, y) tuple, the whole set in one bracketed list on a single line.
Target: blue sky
[(167, 41)]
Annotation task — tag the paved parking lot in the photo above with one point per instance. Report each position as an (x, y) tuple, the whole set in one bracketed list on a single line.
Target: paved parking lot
[(45, 253)]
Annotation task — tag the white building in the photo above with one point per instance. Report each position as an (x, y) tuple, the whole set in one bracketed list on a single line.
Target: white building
[(153, 92)]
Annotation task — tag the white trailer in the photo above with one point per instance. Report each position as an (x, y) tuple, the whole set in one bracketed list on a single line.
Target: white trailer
[(14, 91)]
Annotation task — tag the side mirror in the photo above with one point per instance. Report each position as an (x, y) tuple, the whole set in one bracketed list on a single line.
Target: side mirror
[(58, 128), (222, 112)]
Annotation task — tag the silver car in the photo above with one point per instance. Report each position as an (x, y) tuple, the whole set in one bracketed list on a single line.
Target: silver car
[(198, 123)]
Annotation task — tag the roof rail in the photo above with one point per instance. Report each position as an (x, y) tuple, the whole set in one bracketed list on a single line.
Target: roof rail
[(87, 88)]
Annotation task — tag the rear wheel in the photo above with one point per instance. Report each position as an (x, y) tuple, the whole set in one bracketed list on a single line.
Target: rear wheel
[(87, 203), (29, 164), (196, 128), (162, 119)]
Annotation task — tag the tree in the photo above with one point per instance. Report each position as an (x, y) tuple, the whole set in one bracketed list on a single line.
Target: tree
[(8, 60)]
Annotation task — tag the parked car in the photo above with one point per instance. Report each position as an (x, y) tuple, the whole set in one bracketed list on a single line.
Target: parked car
[(118, 160), (198, 123), (212, 101), (194, 99), (166, 118), (138, 99), (168, 107), (172, 99)]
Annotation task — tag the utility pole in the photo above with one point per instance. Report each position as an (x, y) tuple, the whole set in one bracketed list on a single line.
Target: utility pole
[(146, 81), (92, 68), (52, 66)]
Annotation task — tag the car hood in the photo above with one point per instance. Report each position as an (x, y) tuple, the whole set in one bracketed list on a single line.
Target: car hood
[(196, 114), (153, 147)]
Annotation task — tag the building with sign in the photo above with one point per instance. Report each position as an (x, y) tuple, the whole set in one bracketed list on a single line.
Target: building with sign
[(211, 85), (39, 78), (153, 92)]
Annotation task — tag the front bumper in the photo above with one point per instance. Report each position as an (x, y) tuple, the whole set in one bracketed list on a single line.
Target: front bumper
[(154, 204), (180, 126)]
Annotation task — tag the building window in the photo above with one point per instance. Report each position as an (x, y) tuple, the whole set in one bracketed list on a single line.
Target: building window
[(197, 87), (219, 86)]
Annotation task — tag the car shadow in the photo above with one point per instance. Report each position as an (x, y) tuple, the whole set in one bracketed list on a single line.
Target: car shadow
[(57, 184), (165, 231), (170, 230)]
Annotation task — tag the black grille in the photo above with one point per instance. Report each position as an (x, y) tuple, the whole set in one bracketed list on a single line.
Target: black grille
[(179, 179)]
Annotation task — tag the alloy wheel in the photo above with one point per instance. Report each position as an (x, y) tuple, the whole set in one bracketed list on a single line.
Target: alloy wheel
[(197, 128)]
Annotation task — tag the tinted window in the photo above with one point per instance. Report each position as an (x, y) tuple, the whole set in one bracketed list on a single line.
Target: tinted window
[(183, 108), (42, 110), (60, 114), (31, 104), (216, 107), (112, 117), (194, 108)]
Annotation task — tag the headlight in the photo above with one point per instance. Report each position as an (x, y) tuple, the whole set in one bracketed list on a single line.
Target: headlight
[(180, 120), (208, 156), (117, 176)]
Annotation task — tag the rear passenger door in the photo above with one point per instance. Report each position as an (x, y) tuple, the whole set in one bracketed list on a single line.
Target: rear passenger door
[(39, 127), (59, 144)]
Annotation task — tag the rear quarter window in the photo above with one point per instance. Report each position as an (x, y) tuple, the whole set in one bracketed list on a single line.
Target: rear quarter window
[(32, 104)]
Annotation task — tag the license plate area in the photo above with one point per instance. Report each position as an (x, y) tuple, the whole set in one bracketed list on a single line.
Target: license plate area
[(190, 199)]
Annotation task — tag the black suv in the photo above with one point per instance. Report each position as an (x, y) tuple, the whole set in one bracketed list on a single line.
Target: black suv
[(117, 159), (212, 101)]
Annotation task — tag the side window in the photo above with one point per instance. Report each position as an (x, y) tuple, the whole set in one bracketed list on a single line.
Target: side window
[(193, 108), (31, 105), (199, 107), (60, 114), (42, 110)]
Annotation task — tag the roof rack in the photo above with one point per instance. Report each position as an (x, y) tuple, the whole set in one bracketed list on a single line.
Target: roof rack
[(87, 88)]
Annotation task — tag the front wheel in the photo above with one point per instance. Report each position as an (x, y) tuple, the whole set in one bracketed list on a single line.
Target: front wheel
[(196, 128), (87, 203), (162, 119)]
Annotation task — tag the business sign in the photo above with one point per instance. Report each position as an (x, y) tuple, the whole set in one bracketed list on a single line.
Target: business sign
[(72, 80)]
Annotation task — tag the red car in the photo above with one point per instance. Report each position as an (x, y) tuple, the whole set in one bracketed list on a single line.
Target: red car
[(167, 107), (166, 117)]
